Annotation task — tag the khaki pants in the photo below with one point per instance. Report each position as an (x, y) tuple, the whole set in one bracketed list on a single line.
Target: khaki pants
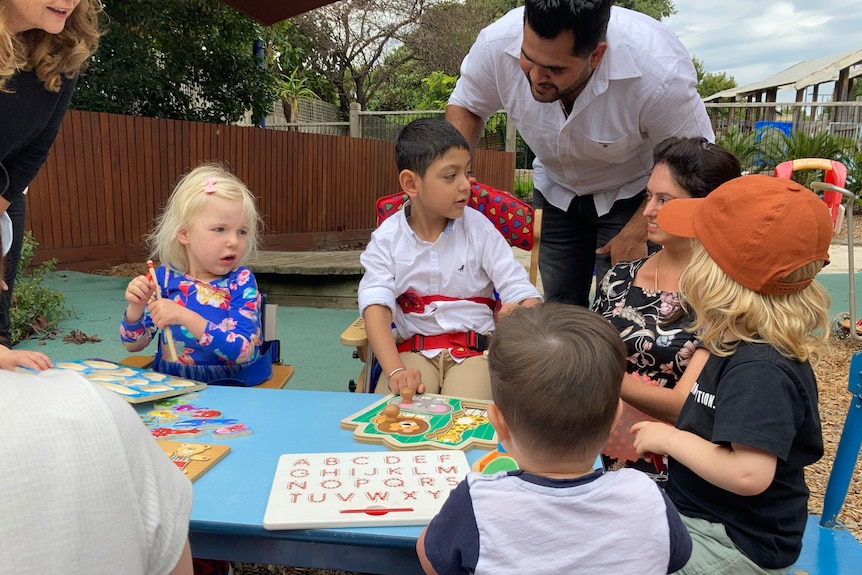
[(442, 374), (713, 553)]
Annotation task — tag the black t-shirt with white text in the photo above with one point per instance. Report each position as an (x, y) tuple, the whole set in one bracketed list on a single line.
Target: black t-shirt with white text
[(758, 398)]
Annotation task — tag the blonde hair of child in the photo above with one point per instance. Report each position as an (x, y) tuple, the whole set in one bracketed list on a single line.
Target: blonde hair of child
[(727, 312), (52, 56), (187, 202)]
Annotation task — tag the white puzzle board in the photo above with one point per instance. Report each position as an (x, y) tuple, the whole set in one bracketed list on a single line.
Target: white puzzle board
[(361, 489), (135, 385)]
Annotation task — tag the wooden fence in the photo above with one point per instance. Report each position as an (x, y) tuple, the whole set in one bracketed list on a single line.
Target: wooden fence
[(108, 176)]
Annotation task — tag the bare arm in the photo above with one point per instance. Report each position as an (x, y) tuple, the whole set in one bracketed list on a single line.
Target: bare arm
[(13, 358), (470, 125), (630, 243), (661, 402), (378, 322), (508, 308), (739, 469), (184, 565), (423, 559)]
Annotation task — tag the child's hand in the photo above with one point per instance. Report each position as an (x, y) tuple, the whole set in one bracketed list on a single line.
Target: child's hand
[(139, 292), (652, 437), (12, 358), (506, 309), (406, 379), (165, 312)]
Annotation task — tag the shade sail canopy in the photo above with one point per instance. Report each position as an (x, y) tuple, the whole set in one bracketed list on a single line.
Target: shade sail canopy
[(268, 12)]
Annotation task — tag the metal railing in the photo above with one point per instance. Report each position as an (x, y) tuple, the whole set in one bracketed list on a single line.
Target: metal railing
[(838, 118)]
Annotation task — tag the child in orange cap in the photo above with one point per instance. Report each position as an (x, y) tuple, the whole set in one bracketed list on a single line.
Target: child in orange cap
[(751, 423)]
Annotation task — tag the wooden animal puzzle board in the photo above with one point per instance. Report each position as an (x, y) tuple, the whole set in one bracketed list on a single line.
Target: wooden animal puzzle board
[(193, 459), (361, 489), (133, 384), (428, 422)]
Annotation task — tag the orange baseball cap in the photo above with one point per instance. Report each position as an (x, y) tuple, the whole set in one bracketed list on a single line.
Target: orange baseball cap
[(757, 228)]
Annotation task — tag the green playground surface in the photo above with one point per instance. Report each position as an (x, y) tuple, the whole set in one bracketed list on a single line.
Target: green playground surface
[(309, 336)]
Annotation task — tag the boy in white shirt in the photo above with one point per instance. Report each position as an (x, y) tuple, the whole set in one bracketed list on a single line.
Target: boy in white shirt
[(431, 271)]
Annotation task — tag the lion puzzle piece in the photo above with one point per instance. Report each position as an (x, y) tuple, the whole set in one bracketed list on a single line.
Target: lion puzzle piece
[(428, 422)]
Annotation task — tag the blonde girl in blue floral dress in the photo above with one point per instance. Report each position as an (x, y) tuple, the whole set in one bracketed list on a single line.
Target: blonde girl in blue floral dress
[(209, 301)]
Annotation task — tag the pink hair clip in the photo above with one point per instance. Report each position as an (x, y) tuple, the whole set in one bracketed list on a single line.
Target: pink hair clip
[(210, 189)]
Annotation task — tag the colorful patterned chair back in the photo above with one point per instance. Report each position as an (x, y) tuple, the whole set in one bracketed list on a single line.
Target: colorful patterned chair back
[(512, 217)]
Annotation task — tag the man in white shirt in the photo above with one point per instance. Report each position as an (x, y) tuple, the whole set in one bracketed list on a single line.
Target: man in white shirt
[(591, 90)]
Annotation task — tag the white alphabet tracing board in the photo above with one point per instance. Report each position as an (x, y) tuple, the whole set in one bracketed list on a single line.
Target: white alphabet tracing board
[(361, 489)]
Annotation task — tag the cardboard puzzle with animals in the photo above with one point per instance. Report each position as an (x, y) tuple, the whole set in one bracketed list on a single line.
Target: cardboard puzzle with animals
[(183, 418), (133, 384), (425, 421), (361, 489), (193, 459)]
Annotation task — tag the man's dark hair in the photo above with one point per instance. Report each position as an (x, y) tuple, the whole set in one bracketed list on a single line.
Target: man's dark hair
[(587, 19), (425, 140), (556, 372)]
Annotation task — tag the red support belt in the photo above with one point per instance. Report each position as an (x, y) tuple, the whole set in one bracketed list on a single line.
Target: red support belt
[(459, 344), (412, 302)]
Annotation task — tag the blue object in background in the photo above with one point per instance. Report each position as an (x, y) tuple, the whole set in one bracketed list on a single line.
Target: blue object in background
[(763, 127)]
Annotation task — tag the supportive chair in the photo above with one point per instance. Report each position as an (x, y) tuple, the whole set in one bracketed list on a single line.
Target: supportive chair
[(281, 373), (827, 547), (519, 223), (834, 173)]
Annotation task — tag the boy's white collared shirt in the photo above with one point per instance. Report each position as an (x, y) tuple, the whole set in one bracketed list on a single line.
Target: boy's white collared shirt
[(469, 259)]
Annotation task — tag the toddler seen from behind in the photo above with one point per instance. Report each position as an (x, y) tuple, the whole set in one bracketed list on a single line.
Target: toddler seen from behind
[(556, 372)]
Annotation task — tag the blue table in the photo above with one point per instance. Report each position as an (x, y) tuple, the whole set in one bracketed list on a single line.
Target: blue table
[(230, 499)]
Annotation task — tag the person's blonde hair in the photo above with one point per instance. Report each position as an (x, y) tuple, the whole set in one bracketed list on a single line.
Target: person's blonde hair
[(52, 56), (727, 312), (185, 205)]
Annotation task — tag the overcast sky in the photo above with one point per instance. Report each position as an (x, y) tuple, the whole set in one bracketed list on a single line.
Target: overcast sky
[(754, 39)]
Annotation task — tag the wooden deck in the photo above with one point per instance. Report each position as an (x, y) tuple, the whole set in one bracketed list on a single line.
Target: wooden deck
[(310, 279)]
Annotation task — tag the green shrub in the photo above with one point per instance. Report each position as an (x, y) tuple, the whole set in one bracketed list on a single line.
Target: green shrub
[(36, 308), (853, 161), (523, 187), (801, 145), (742, 145)]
